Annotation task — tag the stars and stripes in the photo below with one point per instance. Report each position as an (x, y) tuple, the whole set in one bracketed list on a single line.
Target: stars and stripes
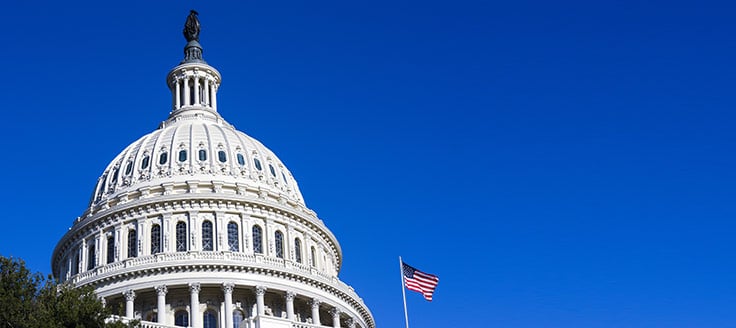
[(419, 281)]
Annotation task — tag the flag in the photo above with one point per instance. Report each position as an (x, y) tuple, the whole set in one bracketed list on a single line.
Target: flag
[(419, 281)]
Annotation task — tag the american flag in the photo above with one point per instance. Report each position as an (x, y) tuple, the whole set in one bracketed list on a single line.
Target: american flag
[(419, 281)]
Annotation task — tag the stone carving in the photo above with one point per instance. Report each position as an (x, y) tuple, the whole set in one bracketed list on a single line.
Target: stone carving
[(261, 290), (290, 296), (129, 295), (161, 290), (194, 288), (228, 287)]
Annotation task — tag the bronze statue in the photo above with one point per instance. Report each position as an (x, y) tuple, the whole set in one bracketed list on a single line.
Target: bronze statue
[(191, 27)]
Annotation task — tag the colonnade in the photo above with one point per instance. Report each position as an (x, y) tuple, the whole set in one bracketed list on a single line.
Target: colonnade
[(195, 314), (195, 90)]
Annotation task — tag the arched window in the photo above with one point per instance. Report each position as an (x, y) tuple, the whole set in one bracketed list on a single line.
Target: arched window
[(221, 156), (132, 244), (144, 163), (183, 155), (181, 318), (237, 318), (207, 236), (258, 164), (232, 237), (91, 255), (75, 262), (273, 172), (181, 237), (284, 176), (298, 250), (155, 239), (129, 168), (163, 158), (279, 244), (257, 240), (110, 249), (314, 257), (241, 159), (209, 319), (202, 155)]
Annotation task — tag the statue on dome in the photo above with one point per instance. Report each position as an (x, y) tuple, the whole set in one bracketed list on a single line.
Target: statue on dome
[(191, 27)]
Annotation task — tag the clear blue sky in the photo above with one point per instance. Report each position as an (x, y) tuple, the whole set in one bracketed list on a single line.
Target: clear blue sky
[(557, 164)]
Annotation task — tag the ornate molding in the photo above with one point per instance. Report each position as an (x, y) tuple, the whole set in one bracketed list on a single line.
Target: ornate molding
[(129, 295), (228, 287), (261, 290), (194, 288), (161, 290)]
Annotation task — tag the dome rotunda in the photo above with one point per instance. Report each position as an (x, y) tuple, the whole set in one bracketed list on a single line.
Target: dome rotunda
[(197, 224)]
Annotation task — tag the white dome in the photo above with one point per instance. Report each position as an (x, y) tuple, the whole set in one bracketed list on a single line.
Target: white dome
[(195, 149)]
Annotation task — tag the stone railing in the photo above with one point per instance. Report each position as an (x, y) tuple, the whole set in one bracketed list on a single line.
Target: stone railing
[(216, 257)]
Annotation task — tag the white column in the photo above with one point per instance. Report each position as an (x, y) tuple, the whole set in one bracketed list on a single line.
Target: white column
[(161, 292), (186, 91), (260, 292), (228, 289), (315, 311), (196, 90), (194, 305), (213, 96), (335, 317), (290, 305), (177, 93), (206, 100), (129, 298)]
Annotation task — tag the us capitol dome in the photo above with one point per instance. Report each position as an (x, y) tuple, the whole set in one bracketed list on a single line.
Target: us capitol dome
[(197, 224)]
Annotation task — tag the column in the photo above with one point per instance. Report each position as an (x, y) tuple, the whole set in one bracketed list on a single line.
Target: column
[(335, 317), (228, 289), (260, 292), (213, 96), (315, 311), (177, 93), (290, 305), (161, 292), (129, 298), (351, 322), (186, 91), (206, 100), (196, 321), (196, 90)]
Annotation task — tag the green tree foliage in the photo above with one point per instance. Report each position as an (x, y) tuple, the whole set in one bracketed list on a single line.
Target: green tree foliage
[(29, 300)]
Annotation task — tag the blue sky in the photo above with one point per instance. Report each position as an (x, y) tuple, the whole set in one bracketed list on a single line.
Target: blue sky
[(556, 164)]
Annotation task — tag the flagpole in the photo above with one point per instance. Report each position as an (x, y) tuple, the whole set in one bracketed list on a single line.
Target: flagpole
[(403, 291)]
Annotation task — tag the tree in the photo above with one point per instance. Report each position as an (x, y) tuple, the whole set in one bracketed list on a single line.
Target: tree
[(28, 300)]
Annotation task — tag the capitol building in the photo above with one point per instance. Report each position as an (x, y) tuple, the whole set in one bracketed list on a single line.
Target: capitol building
[(197, 224)]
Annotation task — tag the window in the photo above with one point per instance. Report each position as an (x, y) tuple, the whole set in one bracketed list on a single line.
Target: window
[(207, 236), (132, 244), (155, 239), (91, 255), (128, 168), (110, 249), (163, 158), (221, 156), (75, 262), (181, 237), (284, 176), (314, 257), (273, 172), (298, 250), (115, 176), (258, 164), (181, 318), (241, 159), (279, 244), (232, 236), (209, 319), (257, 240), (237, 318), (202, 155), (183, 155), (144, 163)]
